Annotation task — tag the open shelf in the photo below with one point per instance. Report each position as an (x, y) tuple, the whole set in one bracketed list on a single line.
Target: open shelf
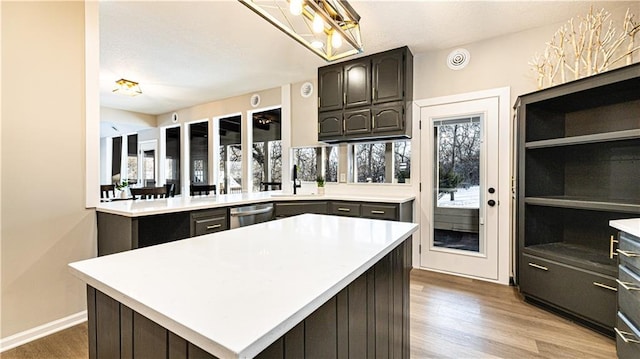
[(585, 139), (586, 203), (593, 171), (576, 255)]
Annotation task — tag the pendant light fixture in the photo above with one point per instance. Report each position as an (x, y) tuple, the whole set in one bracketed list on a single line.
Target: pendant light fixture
[(323, 26)]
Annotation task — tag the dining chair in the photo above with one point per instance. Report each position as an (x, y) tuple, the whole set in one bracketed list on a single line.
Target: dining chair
[(149, 192), (202, 189), (270, 186), (171, 189), (106, 189)]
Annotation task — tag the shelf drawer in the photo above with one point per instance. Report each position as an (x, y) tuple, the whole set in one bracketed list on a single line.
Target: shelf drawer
[(205, 222), (345, 209), (629, 293), (295, 208), (629, 251), (627, 338), (584, 293), (380, 211)]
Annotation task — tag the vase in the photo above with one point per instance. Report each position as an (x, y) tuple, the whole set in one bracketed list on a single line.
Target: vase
[(321, 191)]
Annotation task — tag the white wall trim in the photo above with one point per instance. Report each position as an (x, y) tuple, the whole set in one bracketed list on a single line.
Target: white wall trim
[(42, 331), (92, 104)]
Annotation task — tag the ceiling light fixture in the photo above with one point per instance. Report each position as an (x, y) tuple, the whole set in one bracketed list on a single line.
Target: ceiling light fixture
[(128, 88), (323, 26)]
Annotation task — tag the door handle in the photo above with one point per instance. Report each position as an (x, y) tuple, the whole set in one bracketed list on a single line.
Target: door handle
[(491, 203)]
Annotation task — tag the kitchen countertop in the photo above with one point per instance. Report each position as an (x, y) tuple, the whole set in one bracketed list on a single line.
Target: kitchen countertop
[(140, 207), (235, 292), (631, 226)]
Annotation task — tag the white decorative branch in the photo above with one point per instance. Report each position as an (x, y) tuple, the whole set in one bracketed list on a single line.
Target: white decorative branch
[(585, 47)]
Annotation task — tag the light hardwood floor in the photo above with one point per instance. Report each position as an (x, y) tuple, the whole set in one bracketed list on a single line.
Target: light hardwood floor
[(451, 317)]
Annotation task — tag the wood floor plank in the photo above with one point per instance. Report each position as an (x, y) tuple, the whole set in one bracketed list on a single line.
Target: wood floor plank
[(451, 317)]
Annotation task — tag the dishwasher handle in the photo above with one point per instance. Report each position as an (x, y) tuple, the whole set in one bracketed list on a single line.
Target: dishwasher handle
[(252, 212)]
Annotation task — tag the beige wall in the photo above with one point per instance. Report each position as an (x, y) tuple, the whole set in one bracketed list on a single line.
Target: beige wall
[(498, 62), (44, 221), (238, 104), (304, 116), (127, 117)]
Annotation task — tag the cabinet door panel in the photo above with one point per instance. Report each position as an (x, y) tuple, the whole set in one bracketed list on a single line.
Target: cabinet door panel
[(630, 349), (357, 122), (388, 117), (330, 125), (330, 88), (357, 84), (388, 77)]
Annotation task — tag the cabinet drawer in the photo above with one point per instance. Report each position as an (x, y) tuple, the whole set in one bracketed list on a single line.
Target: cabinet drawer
[(587, 294), (627, 338), (345, 209), (380, 211), (629, 293), (205, 222), (629, 251), (292, 209)]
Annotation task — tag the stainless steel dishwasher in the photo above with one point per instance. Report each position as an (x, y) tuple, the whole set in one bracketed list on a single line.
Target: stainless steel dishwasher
[(248, 215)]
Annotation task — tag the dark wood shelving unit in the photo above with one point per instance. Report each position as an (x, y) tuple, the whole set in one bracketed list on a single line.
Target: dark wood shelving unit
[(578, 168)]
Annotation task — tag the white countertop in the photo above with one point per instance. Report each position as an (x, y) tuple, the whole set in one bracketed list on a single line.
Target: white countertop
[(235, 292), (137, 208), (631, 226)]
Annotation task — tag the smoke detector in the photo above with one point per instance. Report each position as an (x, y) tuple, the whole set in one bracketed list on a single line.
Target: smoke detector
[(458, 59)]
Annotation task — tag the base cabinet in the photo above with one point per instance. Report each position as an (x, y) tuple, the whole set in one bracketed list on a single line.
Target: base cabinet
[(628, 320), (566, 287), (367, 319)]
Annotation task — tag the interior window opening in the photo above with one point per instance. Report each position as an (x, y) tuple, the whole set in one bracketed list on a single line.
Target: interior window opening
[(381, 162), (267, 150), (230, 155)]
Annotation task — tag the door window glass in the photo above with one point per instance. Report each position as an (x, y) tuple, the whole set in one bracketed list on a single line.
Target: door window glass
[(457, 177)]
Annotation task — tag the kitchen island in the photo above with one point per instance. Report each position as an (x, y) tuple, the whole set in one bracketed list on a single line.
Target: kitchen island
[(313, 286), (126, 225)]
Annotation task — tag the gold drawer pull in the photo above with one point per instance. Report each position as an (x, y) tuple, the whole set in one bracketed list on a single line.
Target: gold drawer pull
[(342, 209), (628, 286), (597, 284), (214, 226), (628, 254), (376, 212), (611, 251), (538, 266), (624, 336)]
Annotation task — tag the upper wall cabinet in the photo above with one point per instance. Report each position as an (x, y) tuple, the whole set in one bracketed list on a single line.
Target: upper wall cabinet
[(366, 98)]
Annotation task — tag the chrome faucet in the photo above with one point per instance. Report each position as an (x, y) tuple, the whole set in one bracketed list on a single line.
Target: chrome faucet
[(296, 182)]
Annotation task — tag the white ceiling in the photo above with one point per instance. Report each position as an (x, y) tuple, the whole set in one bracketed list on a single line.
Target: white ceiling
[(185, 53)]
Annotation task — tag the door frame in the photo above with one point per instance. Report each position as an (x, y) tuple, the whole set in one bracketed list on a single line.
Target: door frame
[(505, 171)]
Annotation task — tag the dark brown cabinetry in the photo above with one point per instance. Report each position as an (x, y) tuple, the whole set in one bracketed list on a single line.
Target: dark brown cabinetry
[(578, 156), (287, 209), (369, 318), (366, 98), (628, 319), (209, 221)]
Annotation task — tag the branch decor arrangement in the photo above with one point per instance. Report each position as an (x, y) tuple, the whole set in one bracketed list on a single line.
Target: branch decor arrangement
[(585, 47)]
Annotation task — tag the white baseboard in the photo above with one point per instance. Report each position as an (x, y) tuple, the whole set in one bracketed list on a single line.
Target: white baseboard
[(41, 331)]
